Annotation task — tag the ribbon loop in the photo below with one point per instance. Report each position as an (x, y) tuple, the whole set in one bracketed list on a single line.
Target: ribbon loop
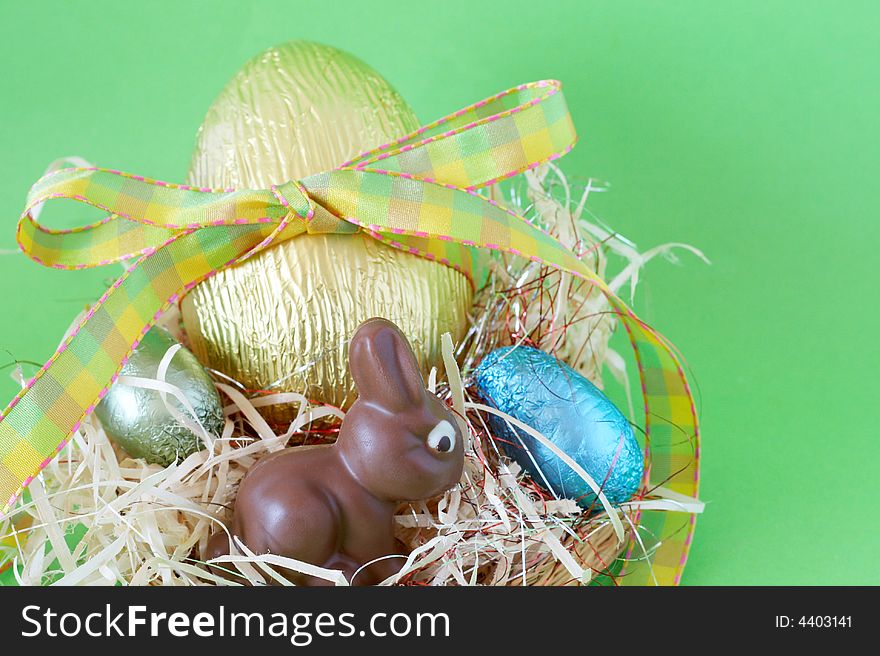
[(484, 143)]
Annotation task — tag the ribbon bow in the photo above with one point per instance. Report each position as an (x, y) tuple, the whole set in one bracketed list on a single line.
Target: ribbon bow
[(418, 193)]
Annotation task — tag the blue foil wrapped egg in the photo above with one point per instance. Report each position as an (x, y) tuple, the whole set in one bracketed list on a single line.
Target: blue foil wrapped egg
[(555, 400)]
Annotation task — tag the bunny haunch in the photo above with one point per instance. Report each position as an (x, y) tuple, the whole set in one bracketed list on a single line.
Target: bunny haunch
[(333, 505)]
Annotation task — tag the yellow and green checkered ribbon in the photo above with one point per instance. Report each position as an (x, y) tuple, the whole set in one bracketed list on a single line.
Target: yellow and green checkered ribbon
[(419, 193)]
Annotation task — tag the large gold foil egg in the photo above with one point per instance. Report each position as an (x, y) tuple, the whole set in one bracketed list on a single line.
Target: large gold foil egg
[(282, 320)]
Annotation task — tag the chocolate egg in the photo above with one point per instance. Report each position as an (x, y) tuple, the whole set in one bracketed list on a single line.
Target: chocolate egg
[(282, 319), (138, 420), (571, 412)]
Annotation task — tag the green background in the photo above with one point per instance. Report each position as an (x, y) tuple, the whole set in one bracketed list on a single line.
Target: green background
[(748, 129)]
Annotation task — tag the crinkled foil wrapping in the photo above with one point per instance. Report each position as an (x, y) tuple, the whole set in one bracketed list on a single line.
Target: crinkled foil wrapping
[(572, 413), (281, 321), (137, 418)]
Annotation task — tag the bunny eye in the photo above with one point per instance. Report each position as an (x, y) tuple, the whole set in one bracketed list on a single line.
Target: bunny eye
[(442, 437)]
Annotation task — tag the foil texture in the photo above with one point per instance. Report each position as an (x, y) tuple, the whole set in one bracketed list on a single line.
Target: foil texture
[(571, 412), (137, 419), (281, 321)]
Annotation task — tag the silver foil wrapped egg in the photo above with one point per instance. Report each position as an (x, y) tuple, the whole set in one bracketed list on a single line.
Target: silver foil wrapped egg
[(138, 420), (549, 396)]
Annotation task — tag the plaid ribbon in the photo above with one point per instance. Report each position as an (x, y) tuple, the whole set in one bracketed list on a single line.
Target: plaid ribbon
[(418, 193)]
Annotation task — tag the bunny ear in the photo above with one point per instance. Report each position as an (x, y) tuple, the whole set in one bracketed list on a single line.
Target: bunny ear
[(384, 367)]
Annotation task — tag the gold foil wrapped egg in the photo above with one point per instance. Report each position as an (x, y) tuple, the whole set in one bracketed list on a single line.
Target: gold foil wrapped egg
[(282, 320)]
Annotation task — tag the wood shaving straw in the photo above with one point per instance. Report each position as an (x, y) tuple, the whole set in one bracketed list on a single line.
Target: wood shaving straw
[(96, 516)]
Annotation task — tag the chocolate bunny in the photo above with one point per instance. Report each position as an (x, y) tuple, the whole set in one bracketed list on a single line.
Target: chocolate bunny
[(333, 506)]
